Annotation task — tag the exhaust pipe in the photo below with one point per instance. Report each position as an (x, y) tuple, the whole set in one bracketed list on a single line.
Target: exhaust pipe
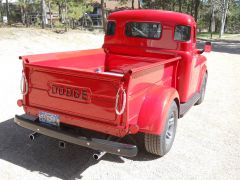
[(99, 155), (62, 145), (33, 136)]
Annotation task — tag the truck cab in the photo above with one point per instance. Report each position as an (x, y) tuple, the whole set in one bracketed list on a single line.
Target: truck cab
[(146, 76), (154, 33)]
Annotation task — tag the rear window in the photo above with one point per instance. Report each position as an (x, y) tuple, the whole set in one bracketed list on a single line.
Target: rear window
[(111, 27), (143, 30), (182, 33)]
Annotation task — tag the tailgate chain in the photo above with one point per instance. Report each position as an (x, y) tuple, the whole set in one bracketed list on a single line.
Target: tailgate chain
[(124, 101), (24, 82)]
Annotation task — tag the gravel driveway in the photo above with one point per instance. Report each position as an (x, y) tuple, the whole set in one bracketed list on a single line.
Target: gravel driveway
[(207, 144)]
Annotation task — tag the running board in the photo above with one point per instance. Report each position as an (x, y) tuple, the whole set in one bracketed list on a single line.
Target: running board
[(184, 107)]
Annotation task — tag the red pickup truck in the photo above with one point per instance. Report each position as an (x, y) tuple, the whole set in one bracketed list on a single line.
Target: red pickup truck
[(147, 74)]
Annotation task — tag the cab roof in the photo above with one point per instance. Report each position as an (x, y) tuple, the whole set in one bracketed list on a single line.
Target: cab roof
[(153, 15)]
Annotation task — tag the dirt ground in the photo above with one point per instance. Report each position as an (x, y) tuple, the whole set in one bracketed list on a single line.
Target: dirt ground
[(207, 144)]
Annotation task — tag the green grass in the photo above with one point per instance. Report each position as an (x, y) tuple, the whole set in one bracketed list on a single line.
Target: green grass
[(207, 35)]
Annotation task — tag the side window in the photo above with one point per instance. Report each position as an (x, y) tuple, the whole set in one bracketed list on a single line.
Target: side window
[(182, 33), (143, 30), (111, 27)]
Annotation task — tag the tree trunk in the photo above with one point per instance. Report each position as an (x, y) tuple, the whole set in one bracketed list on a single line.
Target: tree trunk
[(180, 5), (27, 19), (149, 4), (212, 22), (173, 6), (197, 3), (223, 17), (188, 8), (60, 12), (133, 4), (1, 11), (22, 15), (103, 15), (139, 4), (163, 6), (7, 11), (66, 17), (43, 14), (192, 7), (50, 14)]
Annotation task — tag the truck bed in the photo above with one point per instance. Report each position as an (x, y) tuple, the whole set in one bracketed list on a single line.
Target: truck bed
[(92, 61), (81, 87)]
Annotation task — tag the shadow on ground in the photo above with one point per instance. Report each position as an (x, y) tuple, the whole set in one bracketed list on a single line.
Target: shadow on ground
[(224, 46), (44, 156)]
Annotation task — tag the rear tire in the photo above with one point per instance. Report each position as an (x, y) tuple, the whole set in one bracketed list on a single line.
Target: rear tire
[(161, 144), (203, 89)]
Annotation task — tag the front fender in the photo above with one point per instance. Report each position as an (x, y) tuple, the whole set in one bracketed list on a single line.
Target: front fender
[(154, 110)]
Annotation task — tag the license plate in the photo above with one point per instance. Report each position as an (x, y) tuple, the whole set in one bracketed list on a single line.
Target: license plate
[(49, 118)]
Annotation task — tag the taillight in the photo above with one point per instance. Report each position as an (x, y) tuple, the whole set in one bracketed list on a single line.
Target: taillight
[(20, 102)]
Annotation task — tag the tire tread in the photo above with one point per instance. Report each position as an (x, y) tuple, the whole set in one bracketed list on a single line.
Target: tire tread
[(154, 143)]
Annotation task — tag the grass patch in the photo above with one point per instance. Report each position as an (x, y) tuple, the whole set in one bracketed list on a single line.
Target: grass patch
[(207, 35)]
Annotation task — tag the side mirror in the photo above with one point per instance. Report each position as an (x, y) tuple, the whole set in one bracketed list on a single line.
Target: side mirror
[(207, 47)]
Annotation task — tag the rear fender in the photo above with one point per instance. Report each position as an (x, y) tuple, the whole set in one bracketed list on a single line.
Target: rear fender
[(202, 73), (154, 110)]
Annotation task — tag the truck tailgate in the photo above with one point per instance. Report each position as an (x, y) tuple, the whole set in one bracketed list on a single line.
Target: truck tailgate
[(83, 94)]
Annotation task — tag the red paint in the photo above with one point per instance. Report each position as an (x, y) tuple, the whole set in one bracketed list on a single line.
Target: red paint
[(20, 102), (153, 73)]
